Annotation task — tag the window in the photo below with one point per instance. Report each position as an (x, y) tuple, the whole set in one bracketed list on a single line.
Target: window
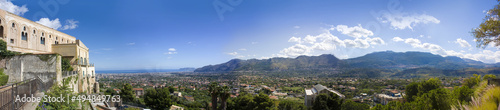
[(13, 25), (42, 40), (34, 32), (1, 31), (24, 29), (84, 73), (50, 36), (12, 41), (24, 36)]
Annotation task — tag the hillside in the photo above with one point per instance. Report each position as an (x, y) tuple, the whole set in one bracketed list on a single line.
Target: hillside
[(379, 60), (325, 61)]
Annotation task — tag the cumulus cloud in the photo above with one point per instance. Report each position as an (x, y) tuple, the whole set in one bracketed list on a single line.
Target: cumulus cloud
[(403, 21), (327, 41), (70, 24), (7, 5), (356, 31), (56, 24), (462, 43)]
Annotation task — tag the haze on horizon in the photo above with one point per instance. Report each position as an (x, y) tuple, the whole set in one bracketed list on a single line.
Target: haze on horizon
[(125, 35)]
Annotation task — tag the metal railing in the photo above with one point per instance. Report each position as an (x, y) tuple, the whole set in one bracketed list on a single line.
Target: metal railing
[(8, 93), (66, 74)]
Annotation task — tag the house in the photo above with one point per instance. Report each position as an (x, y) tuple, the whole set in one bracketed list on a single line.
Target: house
[(316, 90), (138, 91)]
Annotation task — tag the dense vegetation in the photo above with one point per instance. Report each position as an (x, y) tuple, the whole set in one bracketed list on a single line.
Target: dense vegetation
[(430, 94)]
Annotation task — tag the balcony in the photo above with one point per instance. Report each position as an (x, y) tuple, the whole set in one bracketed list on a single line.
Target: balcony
[(66, 74), (84, 64)]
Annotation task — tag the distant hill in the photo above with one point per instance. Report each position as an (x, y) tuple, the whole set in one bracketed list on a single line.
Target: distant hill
[(376, 60), (325, 61), (405, 60)]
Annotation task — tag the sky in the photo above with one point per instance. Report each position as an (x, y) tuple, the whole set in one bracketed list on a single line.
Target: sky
[(171, 34)]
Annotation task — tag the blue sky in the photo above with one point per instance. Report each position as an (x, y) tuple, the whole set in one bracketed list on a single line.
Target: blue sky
[(170, 34)]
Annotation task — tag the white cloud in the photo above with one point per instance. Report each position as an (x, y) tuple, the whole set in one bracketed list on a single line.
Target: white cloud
[(235, 54), (462, 43), (70, 24), (327, 41), (486, 56), (170, 53), (403, 21), (296, 27), (397, 39), (295, 39), (296, 50), (54, 24), (131, 43), (232, 53), (243, 49), (356, 31), (171, 49), (7, 5)]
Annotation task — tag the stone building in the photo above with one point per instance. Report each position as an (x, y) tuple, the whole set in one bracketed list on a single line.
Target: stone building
[(316, 90), (25, 36)]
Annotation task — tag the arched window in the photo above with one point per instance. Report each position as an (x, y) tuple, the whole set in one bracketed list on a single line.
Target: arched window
[(1, 32), (24, 34), (13, 25)]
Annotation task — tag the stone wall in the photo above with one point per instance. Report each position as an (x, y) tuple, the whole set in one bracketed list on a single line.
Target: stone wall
[(22, 67)]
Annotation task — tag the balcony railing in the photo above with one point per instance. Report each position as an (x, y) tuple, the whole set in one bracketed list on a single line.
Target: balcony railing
[(66, 74), (84, 64)]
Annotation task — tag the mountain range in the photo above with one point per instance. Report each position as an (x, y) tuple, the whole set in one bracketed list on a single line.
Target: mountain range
[(387, 60)]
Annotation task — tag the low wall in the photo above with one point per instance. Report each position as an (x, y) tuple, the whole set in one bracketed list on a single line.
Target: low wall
[(22, 67)]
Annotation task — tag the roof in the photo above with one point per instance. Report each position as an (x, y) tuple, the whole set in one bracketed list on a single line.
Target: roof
[(309, 92), (140, 89)]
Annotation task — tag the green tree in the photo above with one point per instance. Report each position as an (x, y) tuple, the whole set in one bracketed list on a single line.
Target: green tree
[(126, 93), (411, 91), (214, 92), (224, 95), (287, 104), (171, 89), (431, 84), (463, 94), (438, 99), (263, 102), (66, 65), (158, 99), (486, 77), (58, 91), (328, 101), (472, 81), (242, 102), (351, 105), (489, 30)]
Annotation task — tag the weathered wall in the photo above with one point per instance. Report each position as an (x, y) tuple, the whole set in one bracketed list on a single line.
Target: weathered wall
[(47, 67)]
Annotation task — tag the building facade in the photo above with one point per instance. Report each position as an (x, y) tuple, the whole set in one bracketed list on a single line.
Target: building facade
[(25, 36), (316, 90)]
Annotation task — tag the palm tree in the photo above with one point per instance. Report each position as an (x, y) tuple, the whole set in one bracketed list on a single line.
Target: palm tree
[(224, 94), (214, 89)]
